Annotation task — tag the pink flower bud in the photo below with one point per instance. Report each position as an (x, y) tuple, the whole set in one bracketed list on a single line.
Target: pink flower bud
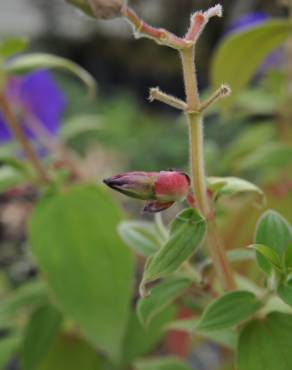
[(159, 189), (104, 9), (171, 186)]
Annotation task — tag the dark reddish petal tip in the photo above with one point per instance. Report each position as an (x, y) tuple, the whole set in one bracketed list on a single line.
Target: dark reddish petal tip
[(154, 206), (108, 182)]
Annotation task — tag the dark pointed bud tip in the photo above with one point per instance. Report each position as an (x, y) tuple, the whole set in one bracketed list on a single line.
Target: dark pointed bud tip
[(107, 181), (138, 185)]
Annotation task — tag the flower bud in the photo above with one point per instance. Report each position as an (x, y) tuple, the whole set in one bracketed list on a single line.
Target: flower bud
[(104, 9), (82, 5), (159, 189)]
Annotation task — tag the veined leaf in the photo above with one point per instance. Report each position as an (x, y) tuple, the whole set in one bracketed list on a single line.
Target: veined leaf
[(275, 232), (186, 234), (28, 62), (74, 239), (140, 236), (265, 344), (229, 310), (160, 297), (240, 54), (270, 255)]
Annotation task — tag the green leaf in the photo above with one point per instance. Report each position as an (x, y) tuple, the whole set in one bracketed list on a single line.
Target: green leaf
[(257, 101), (160, 297), (28, 296), (69, 352), (40, 333), (266, 344), (79, 125), (141, 237), (285, 292), (234, 255), (74, 239), (230, 186), (240, 54), (186, 234), (230, 309), (139, 340), (267, 157), (227, 337), (29, 62), (249, 140), (9, 345), (161, 363), (12, 45), (275, 232), (11, 176), (270, 255), (288, 257)]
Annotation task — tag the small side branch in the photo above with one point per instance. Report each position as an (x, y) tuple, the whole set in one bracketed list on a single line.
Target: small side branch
[(222, 92), (157, 94), (159, 35), (199, 20)]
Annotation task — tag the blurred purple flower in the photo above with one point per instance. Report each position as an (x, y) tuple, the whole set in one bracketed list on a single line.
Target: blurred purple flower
[(38, 103), (250, 20), (247, 21)]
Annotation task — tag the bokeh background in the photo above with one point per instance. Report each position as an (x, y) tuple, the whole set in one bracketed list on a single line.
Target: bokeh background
[(123, 131)]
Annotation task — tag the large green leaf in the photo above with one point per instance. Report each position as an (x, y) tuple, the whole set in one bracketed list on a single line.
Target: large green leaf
[(69, 352), (42, 329), (29, 62), (266, 344), (229, 310), (186, 234), (161, 363), (240, 54), (74, 239), (160, 297)]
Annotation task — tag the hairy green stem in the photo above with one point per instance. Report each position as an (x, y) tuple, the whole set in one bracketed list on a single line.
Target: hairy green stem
[(195, 121), (17, 131)]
